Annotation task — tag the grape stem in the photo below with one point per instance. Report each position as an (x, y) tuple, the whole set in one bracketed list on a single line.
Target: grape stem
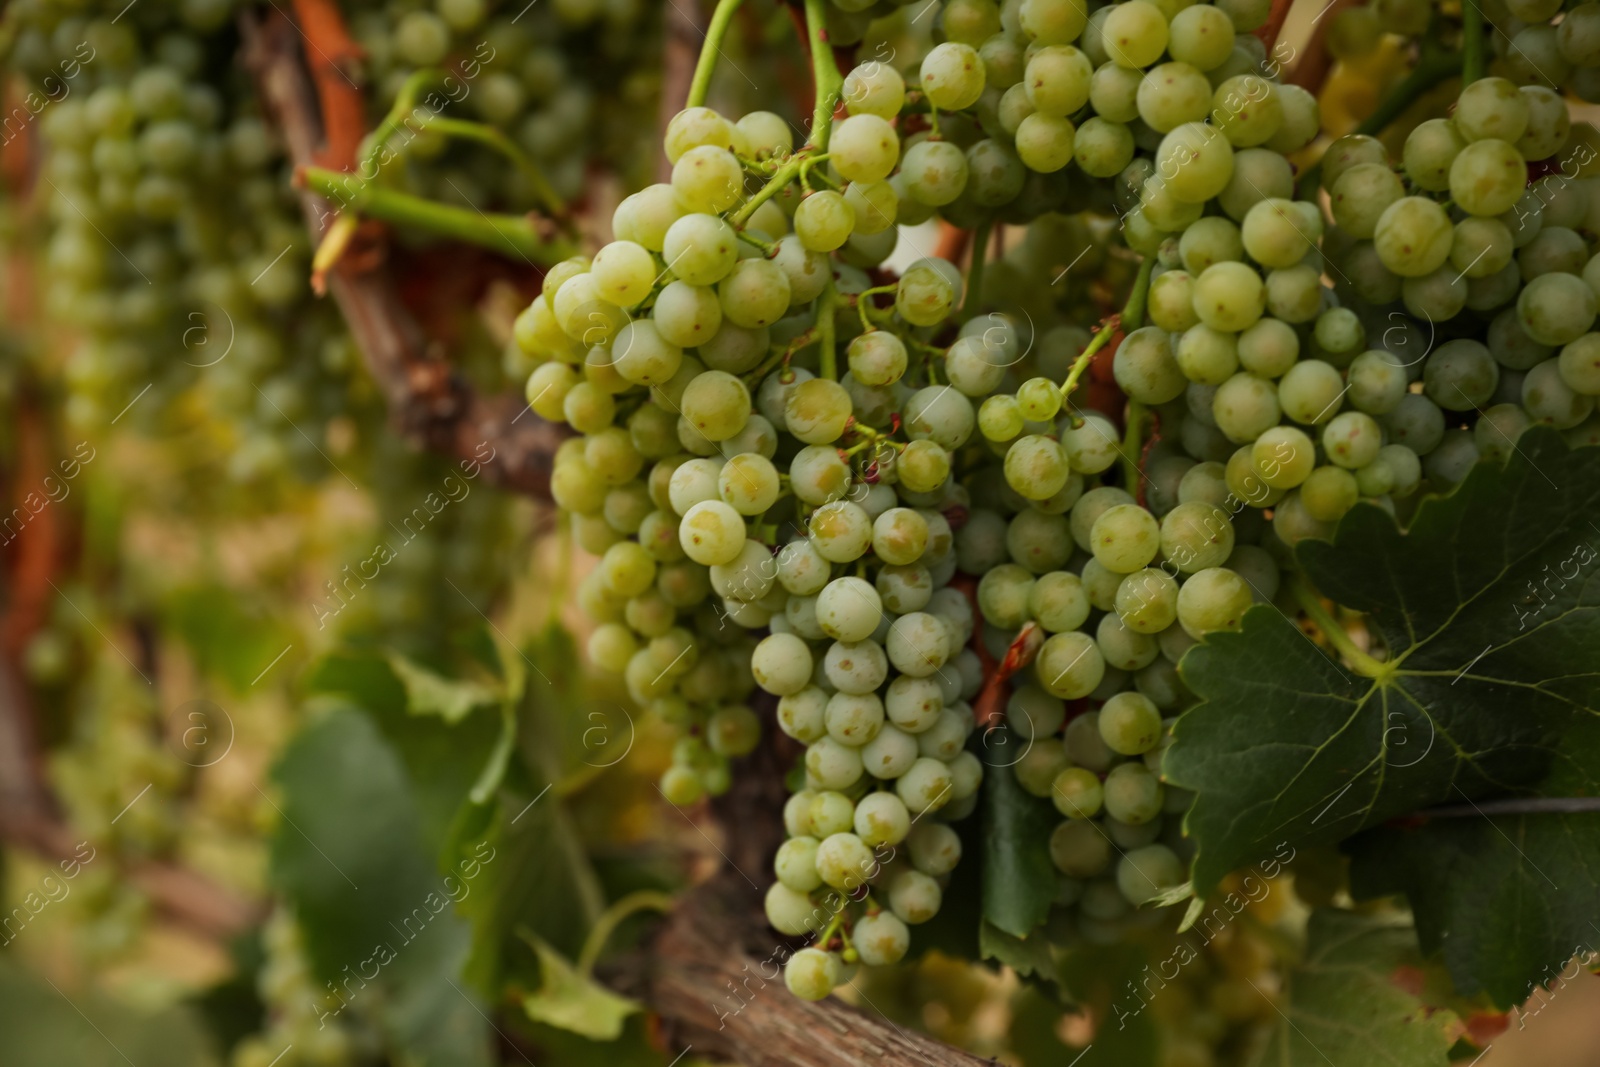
[(515, 234), (403, 114), (825, 77), (782, 356), (825, 330), (780, 177), (1472, 57), (864, 304), (1130, 316), (1132, 441), (1362, 663), (606, 925), (700, 86), (980, 249)]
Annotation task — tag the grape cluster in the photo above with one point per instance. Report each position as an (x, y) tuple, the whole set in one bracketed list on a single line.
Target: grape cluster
[(735, 475), (571, 83), (176, 251)]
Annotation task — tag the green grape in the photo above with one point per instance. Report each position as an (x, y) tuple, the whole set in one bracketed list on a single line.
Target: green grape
[(1212, 599), (1125, 538), (1556, 309), (1211, 240), (1132, 794), (1548, 398), (1171, 94), (1458, 376), (1079, 849), (925, 786), (1246, 109), (1077, 793), (687, 315), (1430, 149), (754, 294), (1246, 406), (1058, 602), (1195, 160), (1045, 142), (623, 272), (1486, 178), (824, 220), (1229, 296), (1413, 235), (810, 974), (1134, 34), (1057, 80), (1491, 108), (1145, 368), (1069, 665), (1207, 356), (700, 249), (1202, 36), (1311, 392), (1147, 872), (924, 295), (952, 76), (708, 179), (1114, 93)]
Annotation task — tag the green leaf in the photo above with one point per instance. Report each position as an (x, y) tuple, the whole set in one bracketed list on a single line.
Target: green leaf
[(570, 1001), (1019, 881), (1030, 957), (430, 693), (1349, 1004), (1290, 746), (542, 882), (351, 858), (1505, 900), (47, 1025)]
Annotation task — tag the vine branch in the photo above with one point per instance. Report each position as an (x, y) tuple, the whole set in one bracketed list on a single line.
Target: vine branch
[(428, 400)]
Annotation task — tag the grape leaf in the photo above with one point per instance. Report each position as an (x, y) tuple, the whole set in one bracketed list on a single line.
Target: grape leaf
[(1288, 745), (1019, 881), (351, 858), (1356, 1000), (570, 1001), (1505, 900), (1028, 956), (48, 1024), (431, 693)]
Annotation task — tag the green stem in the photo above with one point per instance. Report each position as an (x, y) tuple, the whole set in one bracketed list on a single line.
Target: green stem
[(1362, 663), (781, 177), (700, 86), (492, 138), (825, 76), (825, 330), (1132, 444), (864, 303), (607, 924), (1133, 310), (980, 249), (403, 114), (503, 233), (1132, 313), (1472, 58)]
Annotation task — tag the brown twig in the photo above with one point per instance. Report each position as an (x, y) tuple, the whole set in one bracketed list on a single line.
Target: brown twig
[(428, 401)]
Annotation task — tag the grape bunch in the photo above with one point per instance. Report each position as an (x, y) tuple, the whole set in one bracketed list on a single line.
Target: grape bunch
[(571, 84), (1116, 487), (176, 250)]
